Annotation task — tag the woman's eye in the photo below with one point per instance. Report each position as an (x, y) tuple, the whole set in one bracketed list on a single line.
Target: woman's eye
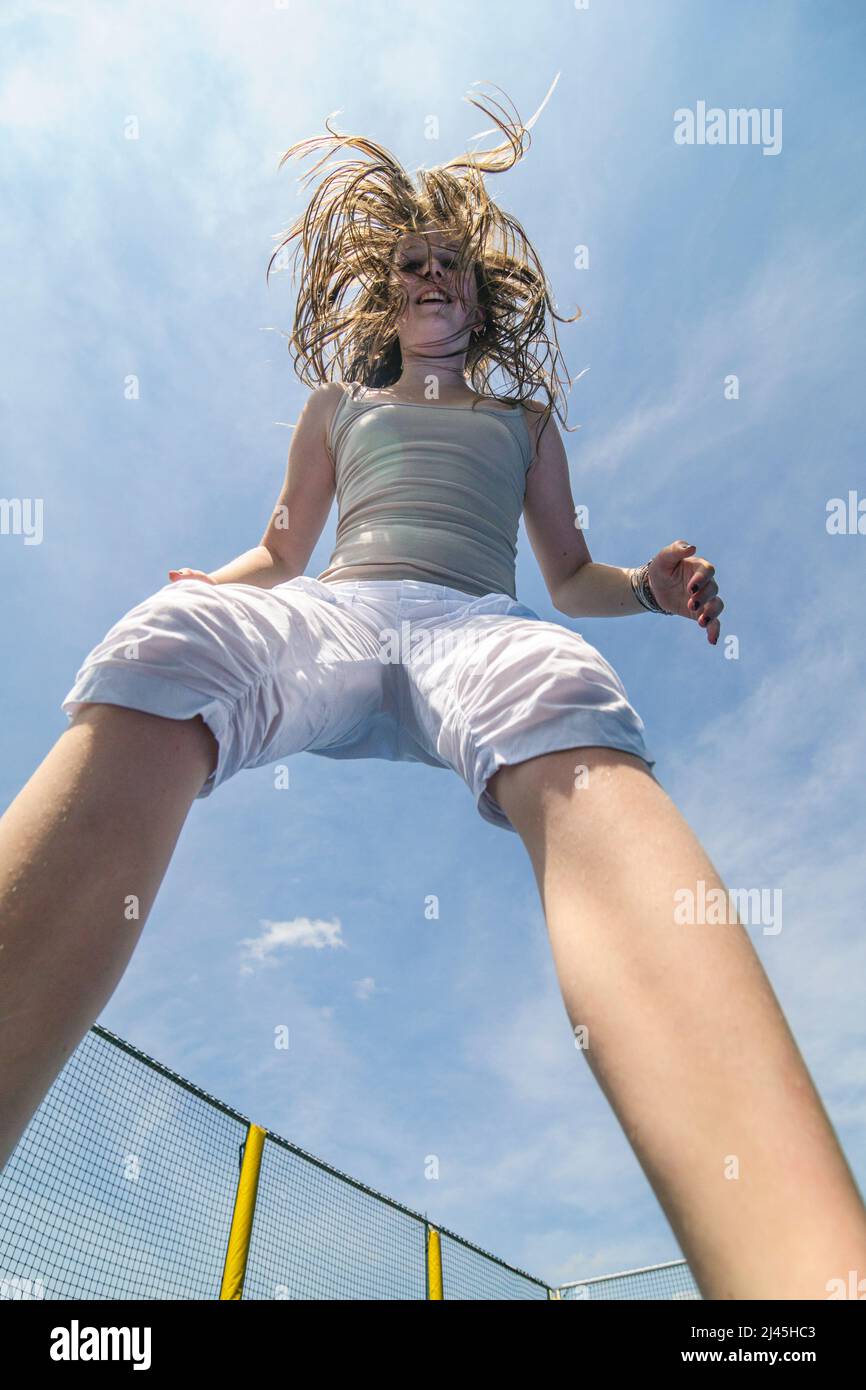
[(415, 265)]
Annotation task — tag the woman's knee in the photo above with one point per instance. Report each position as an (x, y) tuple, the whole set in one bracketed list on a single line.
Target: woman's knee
[(170, 674), (551, 782), (115, 727), (565, 767)]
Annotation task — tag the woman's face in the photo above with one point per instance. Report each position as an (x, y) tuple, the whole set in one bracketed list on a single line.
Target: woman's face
[(423, 262)]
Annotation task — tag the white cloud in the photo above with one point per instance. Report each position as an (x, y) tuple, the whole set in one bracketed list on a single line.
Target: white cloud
[(279, 937)]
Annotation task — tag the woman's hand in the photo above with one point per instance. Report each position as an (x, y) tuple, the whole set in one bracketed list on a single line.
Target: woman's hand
[(683, 583), (190, 574)]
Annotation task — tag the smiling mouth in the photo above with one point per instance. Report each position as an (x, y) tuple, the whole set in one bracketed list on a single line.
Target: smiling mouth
[(434, 297)]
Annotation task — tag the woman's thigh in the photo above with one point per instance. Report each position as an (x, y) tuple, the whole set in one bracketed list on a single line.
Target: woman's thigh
[(270, 671), (504, 686)]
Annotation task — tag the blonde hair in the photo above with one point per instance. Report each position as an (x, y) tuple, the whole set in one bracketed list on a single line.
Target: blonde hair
[(346, 240)]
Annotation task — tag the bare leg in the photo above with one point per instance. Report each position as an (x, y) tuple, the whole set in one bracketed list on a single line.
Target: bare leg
[(686, 1037), (91, 832)]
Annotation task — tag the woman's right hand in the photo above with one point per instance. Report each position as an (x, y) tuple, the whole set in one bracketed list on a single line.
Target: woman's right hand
[(190, 574)]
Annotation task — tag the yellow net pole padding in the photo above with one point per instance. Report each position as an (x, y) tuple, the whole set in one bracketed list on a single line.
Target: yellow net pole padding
[(434, 1265), (238, 1250)]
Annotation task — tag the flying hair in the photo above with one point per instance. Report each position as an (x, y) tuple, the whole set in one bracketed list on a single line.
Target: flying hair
[(350, 298)]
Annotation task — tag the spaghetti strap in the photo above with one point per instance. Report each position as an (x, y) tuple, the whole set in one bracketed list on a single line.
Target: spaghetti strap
[(347, 394)]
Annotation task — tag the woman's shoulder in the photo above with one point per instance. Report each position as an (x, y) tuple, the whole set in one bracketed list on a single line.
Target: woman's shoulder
[(326, 398), (323, 405), (332, 390), (533, 411)]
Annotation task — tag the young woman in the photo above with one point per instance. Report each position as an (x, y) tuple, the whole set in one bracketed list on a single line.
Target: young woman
[(412, 644)]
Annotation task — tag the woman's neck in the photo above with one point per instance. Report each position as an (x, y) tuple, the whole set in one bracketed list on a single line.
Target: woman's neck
[(419, 372)]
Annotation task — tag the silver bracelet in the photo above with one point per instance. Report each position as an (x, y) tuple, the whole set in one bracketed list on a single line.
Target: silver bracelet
[(643, 592)]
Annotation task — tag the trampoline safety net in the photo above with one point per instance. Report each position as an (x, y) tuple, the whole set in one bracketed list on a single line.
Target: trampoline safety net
[(125, 1184)]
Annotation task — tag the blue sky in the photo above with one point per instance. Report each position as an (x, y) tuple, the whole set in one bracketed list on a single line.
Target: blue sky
[(411, 1037)]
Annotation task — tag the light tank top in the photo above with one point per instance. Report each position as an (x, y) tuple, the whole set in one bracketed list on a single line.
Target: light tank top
[(427, 492)]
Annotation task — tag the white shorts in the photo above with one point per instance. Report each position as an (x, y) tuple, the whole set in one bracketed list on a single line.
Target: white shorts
[(395, 669)]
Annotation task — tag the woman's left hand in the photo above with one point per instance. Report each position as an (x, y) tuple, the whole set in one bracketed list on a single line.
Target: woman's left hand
[(683, 583)]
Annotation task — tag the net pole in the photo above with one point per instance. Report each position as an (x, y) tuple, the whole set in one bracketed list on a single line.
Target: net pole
[(237, 1252), (434, 1264)]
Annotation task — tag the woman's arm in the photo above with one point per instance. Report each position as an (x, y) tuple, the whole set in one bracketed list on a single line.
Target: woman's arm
[(598, 591), (579, 587), (301, 509), (258, 566)]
